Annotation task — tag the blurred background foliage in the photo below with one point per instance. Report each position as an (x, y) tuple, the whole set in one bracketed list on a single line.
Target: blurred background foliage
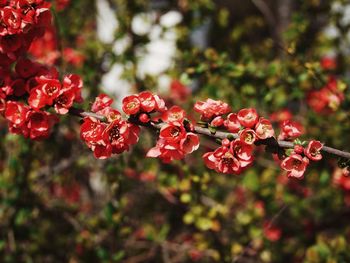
[(59, 204)]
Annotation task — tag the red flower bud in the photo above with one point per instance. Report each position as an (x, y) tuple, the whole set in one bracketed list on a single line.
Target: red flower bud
[(144, 118)]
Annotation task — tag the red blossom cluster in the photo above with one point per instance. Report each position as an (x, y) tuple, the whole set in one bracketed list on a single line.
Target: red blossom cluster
[(298, 160), (290, 130), (210, 109), (327, 99), (30, 123), (111, 137), (51, 92), (175, 141), (40, 87), (45, 50), (233, 156), (20, 22), (28, 89), (143, 104)]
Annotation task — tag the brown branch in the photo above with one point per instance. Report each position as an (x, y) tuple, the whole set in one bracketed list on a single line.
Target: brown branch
[(272, 142)]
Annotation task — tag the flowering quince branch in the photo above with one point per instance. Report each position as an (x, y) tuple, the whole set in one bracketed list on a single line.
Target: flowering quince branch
[(32, 96), (178, 136)]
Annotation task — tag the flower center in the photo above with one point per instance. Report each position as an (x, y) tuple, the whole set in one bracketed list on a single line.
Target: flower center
[(296, 163), (114, 133), (249, 137), (175, 132), (227, 159), (314, 152), (131, 105), (50, 90), (62, 100)]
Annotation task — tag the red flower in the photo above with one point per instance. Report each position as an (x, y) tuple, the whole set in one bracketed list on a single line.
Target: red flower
[(248, 117), (111, 114), (295, 165), (247, 136), (222, 160), (178, 91), (101, 102), (160, 104), (120, 135), (341, 178), (264, 129), (231, 158), (11, 18), (313, 150), (211, 108), (281, 115), (232, 124), (174, 114), (45, 93), (189, 143), (91, 131), (143, 102), (16, 112), (64, 101), (290, 130), (131, 105), (45, 48), (106, 140), (148, 102), (75, 83), (172, 132), (327, 99), (244, 152), (73, 57), (166, 151), (39, 124), (174, 143), (316, 100)]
